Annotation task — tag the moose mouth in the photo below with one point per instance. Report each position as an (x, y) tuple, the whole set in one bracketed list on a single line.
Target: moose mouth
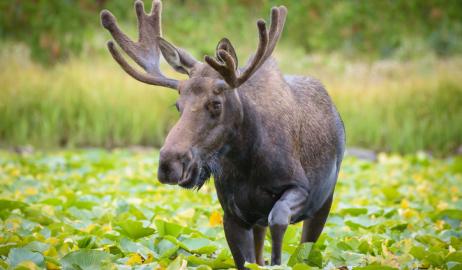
[(194, 176), (191, 171)]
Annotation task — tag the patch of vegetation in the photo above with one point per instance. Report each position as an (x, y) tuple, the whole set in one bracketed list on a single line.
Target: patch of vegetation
[(378, 29), (92, 209), (386, 105)]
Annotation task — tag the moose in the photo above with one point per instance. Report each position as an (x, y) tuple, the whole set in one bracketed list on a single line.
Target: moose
[(273, 143)]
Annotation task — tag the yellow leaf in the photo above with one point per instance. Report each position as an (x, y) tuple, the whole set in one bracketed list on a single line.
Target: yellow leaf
[(52, 266), (89, 228), (15, 172), (53, 241), (134, 259), (215, 219), (408, 213), (404, 204), (439, 224), (107, 228), (149, 259), (442, 205), (30, 191), (51, 252), (29, 265)]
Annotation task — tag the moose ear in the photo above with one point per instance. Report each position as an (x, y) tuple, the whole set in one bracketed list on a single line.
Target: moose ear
[(177, 58), (226, 45)]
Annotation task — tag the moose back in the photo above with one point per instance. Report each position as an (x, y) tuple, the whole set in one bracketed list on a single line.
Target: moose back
[(273, 143)]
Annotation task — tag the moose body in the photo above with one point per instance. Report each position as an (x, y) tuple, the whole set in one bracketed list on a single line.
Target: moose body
[(273, 143)]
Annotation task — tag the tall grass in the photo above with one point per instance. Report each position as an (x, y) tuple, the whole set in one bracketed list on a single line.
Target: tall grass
[(386, 105), (80, 103)]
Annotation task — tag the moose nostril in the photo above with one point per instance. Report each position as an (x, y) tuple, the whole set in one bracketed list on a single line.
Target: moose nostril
[(164, 168)]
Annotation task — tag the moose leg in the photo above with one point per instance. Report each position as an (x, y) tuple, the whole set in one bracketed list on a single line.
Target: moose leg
[(240, 241), (259, 233), (313, 227), (279, 218)]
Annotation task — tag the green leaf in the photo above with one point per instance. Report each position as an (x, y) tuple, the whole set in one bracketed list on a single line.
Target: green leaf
[(418, 252), (11, 205), (86, 259), (301, 266), (354, 211), (5, 248), (19, 255), (168, 228), (217, 263), (306, 253), (86, 242), (430, 240), (451, 213), (454, 257), (134, 229), (375, 267), (198, 245), (166, 248), (360, 222)]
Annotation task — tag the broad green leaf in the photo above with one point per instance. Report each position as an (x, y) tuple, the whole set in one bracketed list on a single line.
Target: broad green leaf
[(166, 248), (454, 257), (134, 229), (11, 205), (418, 252), (430, 240), (375, 267), (353, 211), (360, 222), (301, 266), (86, 242), (86, 259), (216, 263), (5, 248), (37, 246), (19, 255), (198, 245), (168, 228), (306, 253), (451, 213)]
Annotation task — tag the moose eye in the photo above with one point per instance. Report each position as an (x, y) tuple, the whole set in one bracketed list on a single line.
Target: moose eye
[(214, 107)]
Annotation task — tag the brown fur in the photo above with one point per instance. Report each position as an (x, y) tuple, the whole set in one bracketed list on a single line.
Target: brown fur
[(273, 143)]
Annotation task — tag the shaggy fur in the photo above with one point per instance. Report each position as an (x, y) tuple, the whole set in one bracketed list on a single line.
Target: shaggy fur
[(273, 143)]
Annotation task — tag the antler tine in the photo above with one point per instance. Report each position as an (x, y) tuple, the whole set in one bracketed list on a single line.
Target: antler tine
[(146, 78), (257, 59), (278, 19), (224, 64), (145, 52)]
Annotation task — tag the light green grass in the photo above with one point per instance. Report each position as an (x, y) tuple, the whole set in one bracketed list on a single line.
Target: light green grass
[(90, 101)]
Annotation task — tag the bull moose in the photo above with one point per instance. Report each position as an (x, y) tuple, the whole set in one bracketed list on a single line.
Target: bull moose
[(273, 143)]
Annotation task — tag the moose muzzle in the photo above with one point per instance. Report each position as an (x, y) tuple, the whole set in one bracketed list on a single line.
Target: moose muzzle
[(178, 168)]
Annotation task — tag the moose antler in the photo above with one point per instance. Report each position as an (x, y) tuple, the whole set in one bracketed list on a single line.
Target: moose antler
[(225, 64), (145, 52)]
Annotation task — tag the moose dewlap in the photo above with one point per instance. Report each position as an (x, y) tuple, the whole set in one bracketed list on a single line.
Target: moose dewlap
[(273, 143)]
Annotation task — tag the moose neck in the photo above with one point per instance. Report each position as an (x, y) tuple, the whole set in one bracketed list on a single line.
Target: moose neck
[(243, 131)]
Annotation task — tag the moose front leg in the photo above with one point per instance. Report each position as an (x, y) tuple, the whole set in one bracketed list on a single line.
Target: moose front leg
[(240, 241), (279, 218)]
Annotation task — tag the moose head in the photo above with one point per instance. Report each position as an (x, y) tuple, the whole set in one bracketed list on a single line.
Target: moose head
[(208, 101)]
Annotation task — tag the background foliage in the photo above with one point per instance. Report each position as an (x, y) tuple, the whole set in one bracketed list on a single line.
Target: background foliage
[(53, 29), (98, 210), (392, 67)]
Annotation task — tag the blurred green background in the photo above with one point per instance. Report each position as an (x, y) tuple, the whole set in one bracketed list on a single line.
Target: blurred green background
[(393, 68)]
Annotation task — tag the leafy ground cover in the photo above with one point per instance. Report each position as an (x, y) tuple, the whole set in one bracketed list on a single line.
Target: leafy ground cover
[(93, 209)]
